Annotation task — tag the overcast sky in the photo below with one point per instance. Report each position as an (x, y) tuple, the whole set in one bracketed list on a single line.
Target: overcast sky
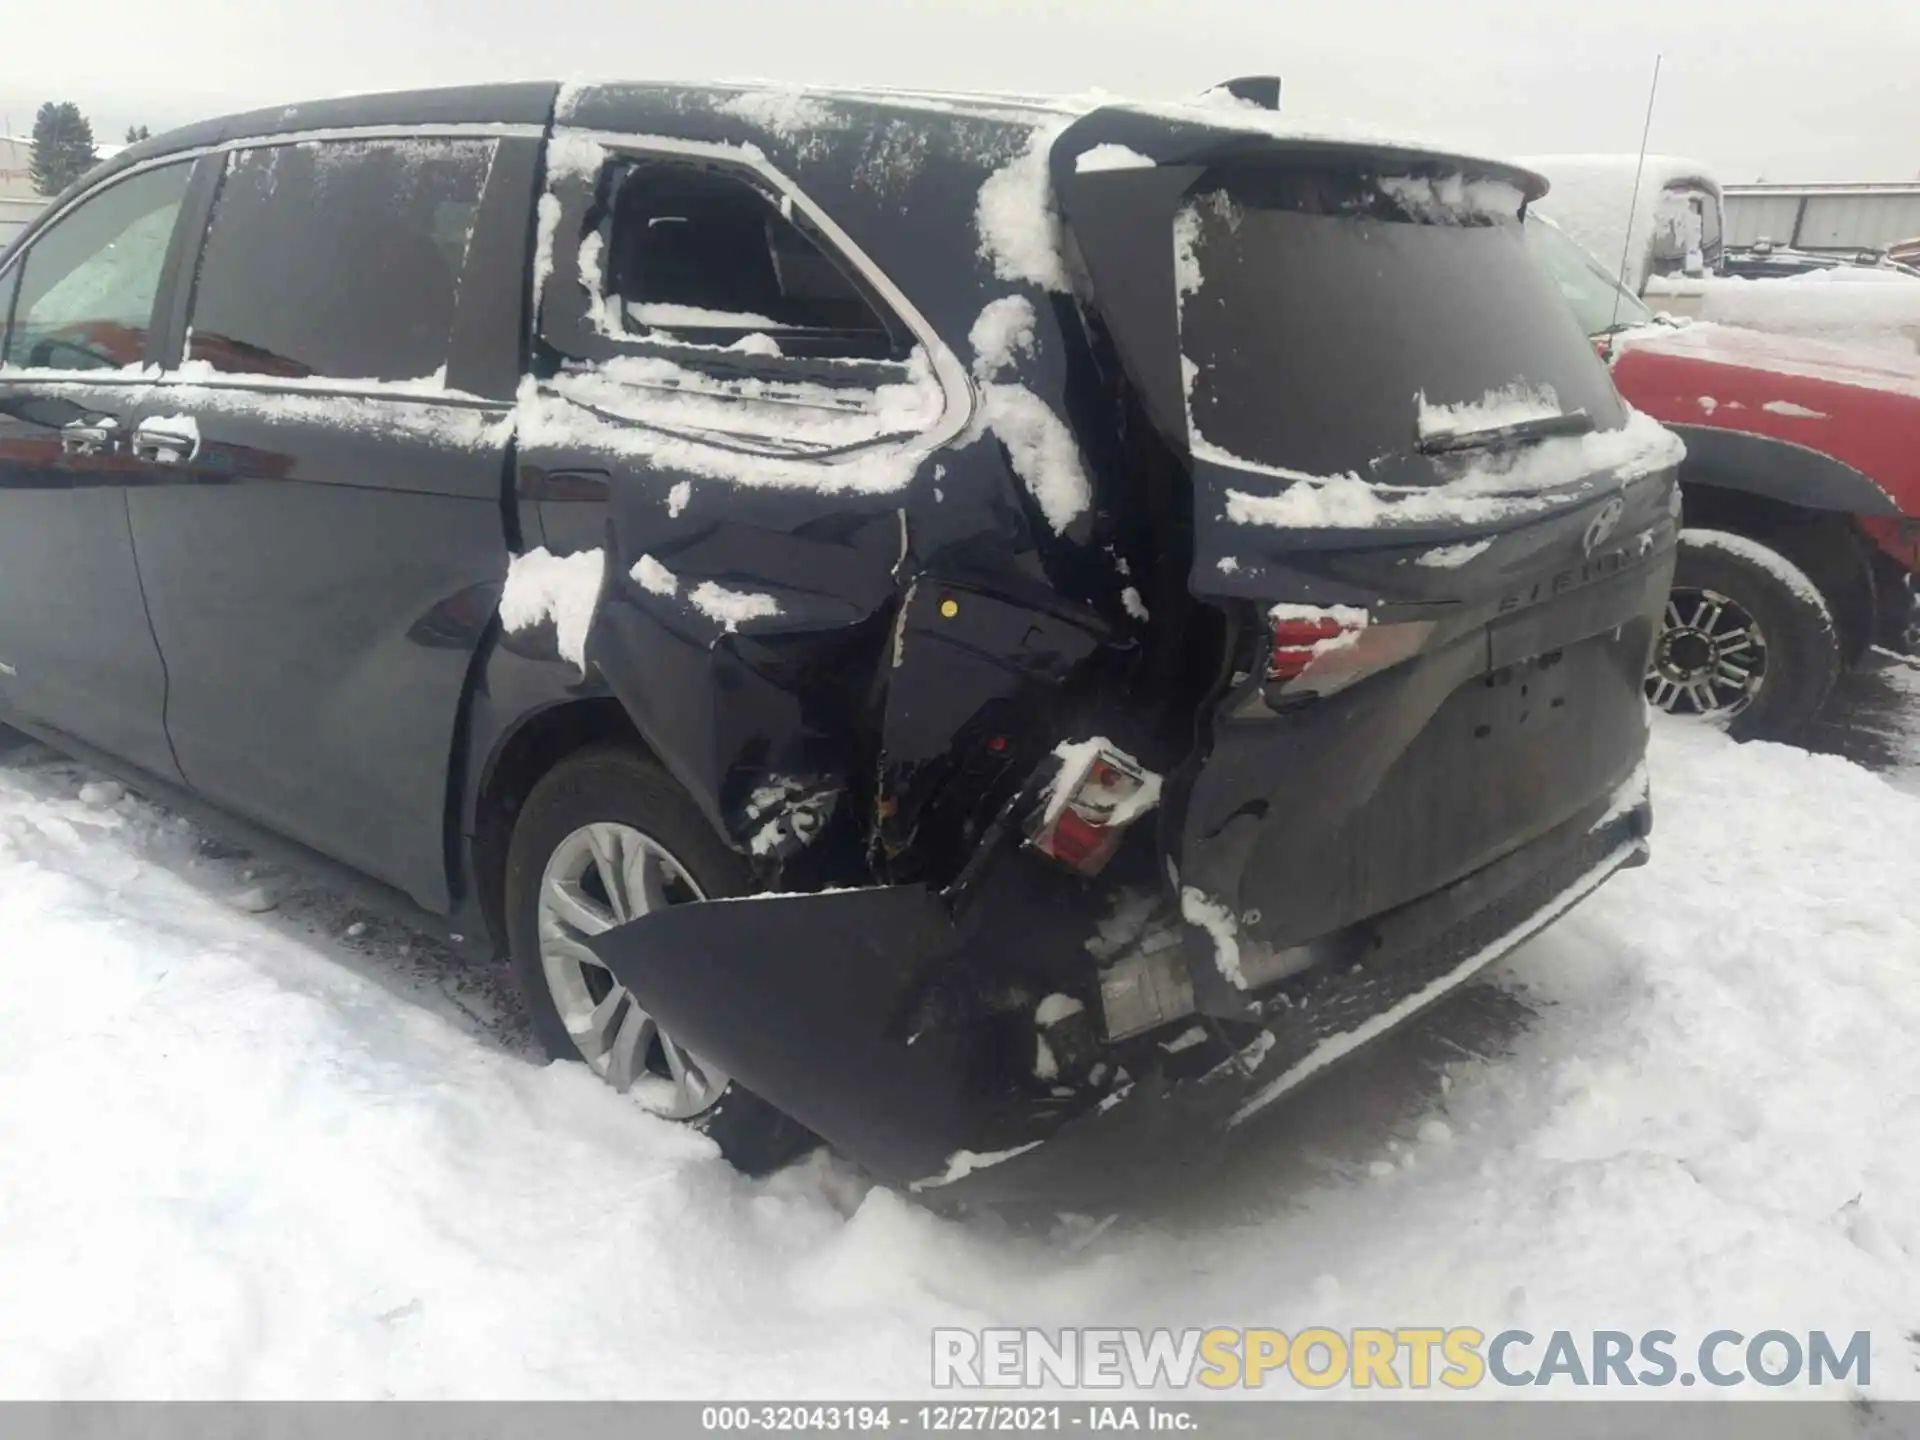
[(1778, 89)]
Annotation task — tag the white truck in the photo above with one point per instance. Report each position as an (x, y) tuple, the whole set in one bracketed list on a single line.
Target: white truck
[(1666, 242)]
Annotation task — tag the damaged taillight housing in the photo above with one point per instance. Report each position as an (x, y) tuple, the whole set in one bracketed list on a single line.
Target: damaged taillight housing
[(1098, 793), (1319, 649)]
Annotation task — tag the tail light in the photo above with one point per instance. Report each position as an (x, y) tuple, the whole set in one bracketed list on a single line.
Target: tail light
[(1303, 633), (1318, 649), (1098, 793)]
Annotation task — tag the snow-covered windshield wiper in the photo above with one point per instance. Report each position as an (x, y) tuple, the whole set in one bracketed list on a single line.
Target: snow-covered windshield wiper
[(1492, 437)]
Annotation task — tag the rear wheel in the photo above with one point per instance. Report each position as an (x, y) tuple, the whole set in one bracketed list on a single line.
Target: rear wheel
[(605, 837), (1747, 640)]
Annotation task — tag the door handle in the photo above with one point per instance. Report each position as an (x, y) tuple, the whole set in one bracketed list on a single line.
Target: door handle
[(89, 437), (166, 440)]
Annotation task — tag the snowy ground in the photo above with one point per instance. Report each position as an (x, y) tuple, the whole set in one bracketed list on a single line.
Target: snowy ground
[(252, 1155)]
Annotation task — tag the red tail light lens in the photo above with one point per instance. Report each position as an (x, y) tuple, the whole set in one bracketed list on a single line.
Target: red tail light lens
[(1318, 649), (1299, 640), (1098, 793)]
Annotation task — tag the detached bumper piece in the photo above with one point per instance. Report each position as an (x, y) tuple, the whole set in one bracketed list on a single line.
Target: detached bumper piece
[(851, 1011)]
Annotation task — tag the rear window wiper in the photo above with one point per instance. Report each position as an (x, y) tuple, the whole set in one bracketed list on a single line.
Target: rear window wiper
[(1541, 427)]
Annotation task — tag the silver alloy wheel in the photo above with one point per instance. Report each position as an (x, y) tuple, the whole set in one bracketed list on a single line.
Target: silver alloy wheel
[(1710, 659), (598, 877)]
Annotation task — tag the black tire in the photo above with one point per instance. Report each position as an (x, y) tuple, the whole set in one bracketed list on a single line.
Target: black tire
[(615, 785), (1802, 646)]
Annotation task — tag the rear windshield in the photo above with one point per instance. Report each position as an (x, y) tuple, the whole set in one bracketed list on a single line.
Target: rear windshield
[(1321, 309)]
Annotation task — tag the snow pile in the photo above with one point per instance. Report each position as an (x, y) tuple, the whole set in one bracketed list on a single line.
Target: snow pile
[(1043, 451), (1110, 157), (371, 407), (1453, 198), (1487, 486), (1848, 304), (1018, 222), (764, 346), (1794, 411), (731, 608), (546, 229), (777, 432), (1514, 404), (791, 112), (1451, 557), (1222, 927), (1003, 331), (692, 316), (182, 426), (594, 281), (653, 577), (564, 589), (1592, 196), (294, 1181), (727, 608), (573, 155), (963, 1163), (1041, 448)]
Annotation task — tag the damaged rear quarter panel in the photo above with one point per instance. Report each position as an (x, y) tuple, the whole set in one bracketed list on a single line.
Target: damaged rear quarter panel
[(820, 695)]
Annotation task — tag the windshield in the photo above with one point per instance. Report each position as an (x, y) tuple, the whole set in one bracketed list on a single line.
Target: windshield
[(1598, 302), (1323, 311)]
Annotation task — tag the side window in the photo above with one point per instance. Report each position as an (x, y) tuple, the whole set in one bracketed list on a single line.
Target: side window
[(699, 256), (1711, 242), (337, 259), (86, 285)]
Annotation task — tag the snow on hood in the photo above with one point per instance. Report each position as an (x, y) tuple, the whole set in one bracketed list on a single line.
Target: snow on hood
[(1848, 304), (1796, 355), (1591, 196)]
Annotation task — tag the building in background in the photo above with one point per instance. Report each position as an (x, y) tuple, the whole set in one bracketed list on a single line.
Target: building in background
[(1837, 218), (18, 201)]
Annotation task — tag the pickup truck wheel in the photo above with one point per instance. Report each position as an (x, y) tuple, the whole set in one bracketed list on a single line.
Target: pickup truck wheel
[(1746, 641), (604, 837)]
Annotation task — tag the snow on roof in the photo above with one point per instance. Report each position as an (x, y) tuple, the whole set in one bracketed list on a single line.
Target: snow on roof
[(1591, 196), (1223, 111), (785, 108)]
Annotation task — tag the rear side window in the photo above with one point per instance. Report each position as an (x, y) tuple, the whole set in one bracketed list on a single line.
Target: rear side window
[(87, 283), (701, 256), (337, 260)]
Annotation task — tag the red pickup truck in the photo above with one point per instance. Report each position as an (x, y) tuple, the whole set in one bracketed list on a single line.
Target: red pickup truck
[(1801, 489)]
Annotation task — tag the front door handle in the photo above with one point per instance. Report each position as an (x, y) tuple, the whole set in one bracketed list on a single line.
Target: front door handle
[(89, 437), (166, 440)]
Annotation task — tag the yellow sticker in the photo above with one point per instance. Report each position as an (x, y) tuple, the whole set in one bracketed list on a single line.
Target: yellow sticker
[(949, 608)]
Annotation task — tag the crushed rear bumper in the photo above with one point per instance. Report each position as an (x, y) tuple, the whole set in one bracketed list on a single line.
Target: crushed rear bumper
[(847, 1010)]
